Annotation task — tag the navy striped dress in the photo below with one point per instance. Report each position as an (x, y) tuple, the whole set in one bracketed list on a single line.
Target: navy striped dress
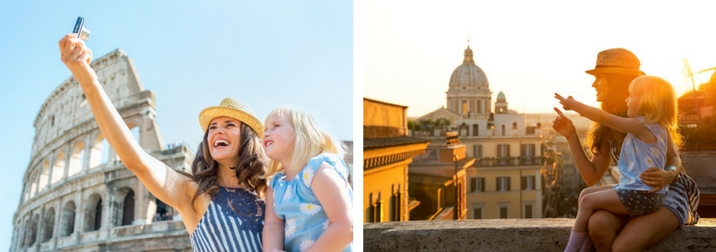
[(233, 222)]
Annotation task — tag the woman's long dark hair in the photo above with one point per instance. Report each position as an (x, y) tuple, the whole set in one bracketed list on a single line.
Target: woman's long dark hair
[(250, 170), (615, 104)]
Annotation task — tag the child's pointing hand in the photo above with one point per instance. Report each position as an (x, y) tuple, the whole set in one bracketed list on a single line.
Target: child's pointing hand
[(567, 103)]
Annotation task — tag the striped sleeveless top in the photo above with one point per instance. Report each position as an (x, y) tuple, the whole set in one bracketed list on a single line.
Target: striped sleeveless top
[(233, 222)]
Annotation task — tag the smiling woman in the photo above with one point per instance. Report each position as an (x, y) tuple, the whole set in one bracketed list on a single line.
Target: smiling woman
[(221, 202), (614, 74), (230, 169)]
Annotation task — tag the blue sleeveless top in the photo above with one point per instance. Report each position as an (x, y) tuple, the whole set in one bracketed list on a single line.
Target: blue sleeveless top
[(637, 156), (295, 203), (233, 222)]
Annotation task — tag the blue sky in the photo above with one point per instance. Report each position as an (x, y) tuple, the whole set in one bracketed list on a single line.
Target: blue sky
[(191, 54)]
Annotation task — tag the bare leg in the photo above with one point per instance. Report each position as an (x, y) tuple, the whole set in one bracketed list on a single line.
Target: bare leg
[(606, 199), (589, 190), (646, 230), (603, 228), (589, 198)]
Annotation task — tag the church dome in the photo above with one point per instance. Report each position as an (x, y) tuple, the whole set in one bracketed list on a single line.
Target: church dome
[(501, 96), (468, 75)]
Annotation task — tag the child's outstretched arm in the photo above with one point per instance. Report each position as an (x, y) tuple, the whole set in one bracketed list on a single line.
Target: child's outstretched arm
[(332, 192), (273, 226), (622, 124)]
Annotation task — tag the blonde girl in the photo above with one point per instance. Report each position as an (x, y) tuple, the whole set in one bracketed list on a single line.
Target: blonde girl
[(651, 128), (309, 198)]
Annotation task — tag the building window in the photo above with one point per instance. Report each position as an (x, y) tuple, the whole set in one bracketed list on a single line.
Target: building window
[(503, 154), (514, 126), (76, 158), (528, 182), (48, 225), (477, 213), (477, 150), (473, 184), (503, 130), (164, 212), (67, 222), (98, 216), (479, 107), (531, 131), (527, 153), (528, 211), (33, 230), (503, 184), (477, 184), (503, 212), (475, 129), (396, 203), (464, 108), (128, 209), (376, 208)]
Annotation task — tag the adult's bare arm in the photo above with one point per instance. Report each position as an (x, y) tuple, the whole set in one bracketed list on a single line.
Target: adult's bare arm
[(592, 169), (162, 182)]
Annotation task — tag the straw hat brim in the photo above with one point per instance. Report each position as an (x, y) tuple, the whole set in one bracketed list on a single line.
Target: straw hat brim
[(615, 70), (210, 113)]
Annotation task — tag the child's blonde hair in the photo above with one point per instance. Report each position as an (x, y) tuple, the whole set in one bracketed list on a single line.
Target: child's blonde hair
[(309, 140), (658, 103)]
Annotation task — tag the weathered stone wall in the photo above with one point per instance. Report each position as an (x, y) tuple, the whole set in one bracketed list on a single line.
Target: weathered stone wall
[(700, 166), (381, 119), (508, 235)]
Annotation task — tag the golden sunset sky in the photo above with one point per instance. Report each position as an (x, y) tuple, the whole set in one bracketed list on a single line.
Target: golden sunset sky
[(528, 49)]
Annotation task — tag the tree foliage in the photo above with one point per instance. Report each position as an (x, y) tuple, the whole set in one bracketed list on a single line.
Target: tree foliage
[(700, 138)]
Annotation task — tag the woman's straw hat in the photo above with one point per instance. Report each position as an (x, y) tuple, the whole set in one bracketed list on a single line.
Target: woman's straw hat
[(234, 109), (617, 61)]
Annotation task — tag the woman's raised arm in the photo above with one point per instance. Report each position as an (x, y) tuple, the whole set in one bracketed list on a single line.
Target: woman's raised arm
[(164, 183)]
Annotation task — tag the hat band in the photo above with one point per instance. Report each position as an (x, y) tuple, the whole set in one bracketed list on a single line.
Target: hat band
[(612, 66)]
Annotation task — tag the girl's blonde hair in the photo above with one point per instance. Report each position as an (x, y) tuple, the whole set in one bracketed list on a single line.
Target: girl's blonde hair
[(658, 103), (309, 140)]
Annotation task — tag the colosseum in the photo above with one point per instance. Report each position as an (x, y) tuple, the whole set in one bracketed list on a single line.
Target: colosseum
[(77, 195)]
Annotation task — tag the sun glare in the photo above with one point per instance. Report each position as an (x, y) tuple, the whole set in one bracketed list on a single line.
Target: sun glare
[(528, 50)]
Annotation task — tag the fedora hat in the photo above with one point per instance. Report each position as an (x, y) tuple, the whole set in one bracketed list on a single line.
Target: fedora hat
[(230, 107), (617, 61)]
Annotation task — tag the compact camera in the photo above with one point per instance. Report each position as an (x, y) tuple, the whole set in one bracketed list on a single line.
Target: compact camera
[(80, 29)]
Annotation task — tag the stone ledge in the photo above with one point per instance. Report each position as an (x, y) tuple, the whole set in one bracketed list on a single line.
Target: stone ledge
[(508, 235)]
